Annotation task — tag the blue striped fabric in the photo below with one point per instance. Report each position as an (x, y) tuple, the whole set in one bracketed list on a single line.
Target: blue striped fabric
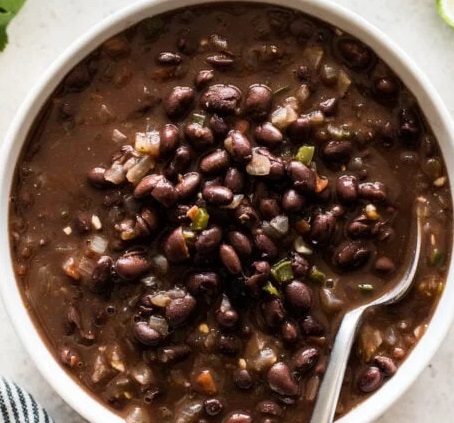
[(18, 406)]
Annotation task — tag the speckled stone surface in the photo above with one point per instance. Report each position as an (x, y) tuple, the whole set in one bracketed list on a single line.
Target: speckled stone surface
[(45, 28)]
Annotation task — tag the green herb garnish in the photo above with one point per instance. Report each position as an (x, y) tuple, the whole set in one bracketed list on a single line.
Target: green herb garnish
[(200, 221), (271, 289), (282, 271), (317, 276), (199, 118), (305, 154), (365, 288), (8, 9)]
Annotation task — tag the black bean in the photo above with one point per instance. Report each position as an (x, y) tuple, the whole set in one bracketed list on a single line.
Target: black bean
[(168, 58), (329, 107), (347, 189), (384, 265), (215, 162), (242, 379), (338, 151), (239, 147), (262, 270), (305, 359), (159, 187), (245, 214), (187, 42), (199, 136), (300, 130), (273, 312), (266, 246), (258, 101), (373, 191), (289, 332), (169, 139), (175, 247), (311, 326), (351, 254), (213, 406), (82, 222), (188, 185), (234, 180), (303, 177), (180, 309), (95, 177), (178, 102), (361, 227), (354, 53), (78, 79), (203, 283), (220, 61), (229, 344), (280, 380), (217, 195), (220, 98), (385, 364), (203, 78), (409, 126), (298, 296), (230, 259), (132, 265), (300, 265), (385, 88), (238, 417), (277, 170), (240, 242), (266, 133), (101, 277), (323, 226), (173, 353), (218, 126), (269, 208), (180, 162), (302, 28), (226, 315), (269, 408), (165, 192), (292, 201), (208, 239), (370, 379), (146, 335)]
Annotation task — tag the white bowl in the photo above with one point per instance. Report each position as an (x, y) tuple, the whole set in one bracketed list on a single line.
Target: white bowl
[(431, 104)]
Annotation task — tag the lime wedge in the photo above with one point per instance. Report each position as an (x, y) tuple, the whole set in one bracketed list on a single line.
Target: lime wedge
[(446, 10)]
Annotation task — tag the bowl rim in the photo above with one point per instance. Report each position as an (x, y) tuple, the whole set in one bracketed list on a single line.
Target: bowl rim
[(434, 109)]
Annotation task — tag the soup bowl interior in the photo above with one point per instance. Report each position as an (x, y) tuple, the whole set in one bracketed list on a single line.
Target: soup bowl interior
[(431, 105)]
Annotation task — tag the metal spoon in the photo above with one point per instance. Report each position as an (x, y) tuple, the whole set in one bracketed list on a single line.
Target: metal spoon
[(330, 387)]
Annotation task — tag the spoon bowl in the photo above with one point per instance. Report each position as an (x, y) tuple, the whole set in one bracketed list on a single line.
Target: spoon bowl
[(330, 387)]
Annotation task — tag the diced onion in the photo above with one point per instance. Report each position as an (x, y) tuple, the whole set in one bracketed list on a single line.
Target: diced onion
[(283, 116), (159, 324), (137, 415), (330, 302), (301, 247), (86, 266), (303, 93), (140, 169), (98, 244), (235, 202), (343, 83), (314, 55), (148, 143), (115, 174), (160, 264), (280, 224), (264, 359), (118, 137), (142, 374), (161, 299), (259, 165)]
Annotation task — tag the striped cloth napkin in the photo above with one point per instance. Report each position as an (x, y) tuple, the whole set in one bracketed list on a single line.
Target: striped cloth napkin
[(18, 406)]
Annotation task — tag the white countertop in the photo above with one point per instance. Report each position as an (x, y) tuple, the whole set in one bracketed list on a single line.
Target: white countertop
[(45, 28)]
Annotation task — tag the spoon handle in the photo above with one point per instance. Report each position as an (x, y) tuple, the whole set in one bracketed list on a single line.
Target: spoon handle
[(330, 387)]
